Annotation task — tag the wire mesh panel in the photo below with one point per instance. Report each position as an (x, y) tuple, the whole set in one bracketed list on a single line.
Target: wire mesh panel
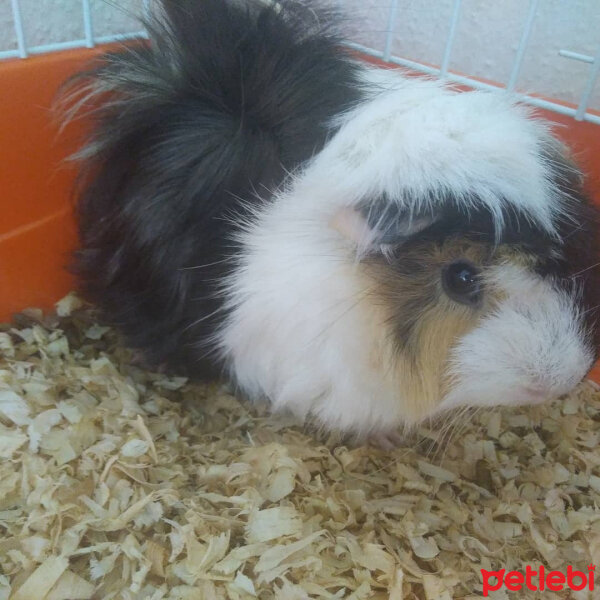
[(547, 51), (29, 27)]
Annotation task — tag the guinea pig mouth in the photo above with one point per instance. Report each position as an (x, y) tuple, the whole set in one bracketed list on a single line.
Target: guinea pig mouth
[(528, 396), (517, 395), (536, 395)]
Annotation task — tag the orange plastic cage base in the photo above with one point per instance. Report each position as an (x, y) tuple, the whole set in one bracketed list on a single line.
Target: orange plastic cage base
[(37, 232)]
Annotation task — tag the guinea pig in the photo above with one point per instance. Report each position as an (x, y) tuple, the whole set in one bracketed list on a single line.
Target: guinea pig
[(363, 248)]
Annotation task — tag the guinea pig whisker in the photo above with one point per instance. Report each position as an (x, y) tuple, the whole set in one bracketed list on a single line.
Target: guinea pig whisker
[(230, 259), (466, 417), (572, 233), (455, 425), (302, 258), (449, 433), (203, 318), (397, 458), (589, 310), (442, 429), (445, 435), (204, 266), (358, 298), (584, 270)]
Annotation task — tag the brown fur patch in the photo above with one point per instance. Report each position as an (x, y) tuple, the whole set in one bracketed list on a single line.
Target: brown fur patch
[(423, 323)]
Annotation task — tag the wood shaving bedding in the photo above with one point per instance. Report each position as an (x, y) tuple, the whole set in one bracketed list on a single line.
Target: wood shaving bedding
[(116, 482)]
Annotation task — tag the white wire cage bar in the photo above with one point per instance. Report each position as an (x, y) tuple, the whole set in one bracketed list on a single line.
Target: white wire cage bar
[(450, 39), (87, 23), (516, 69), (88, 41), (580, 112), (19, 31)]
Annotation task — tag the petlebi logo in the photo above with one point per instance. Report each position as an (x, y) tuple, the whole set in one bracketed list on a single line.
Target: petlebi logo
[(538, 580)]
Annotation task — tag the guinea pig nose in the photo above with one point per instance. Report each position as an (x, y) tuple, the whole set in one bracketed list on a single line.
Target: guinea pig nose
[(537, 392)]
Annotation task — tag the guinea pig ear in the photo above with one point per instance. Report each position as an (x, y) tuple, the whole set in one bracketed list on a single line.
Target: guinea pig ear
[(381, 224)]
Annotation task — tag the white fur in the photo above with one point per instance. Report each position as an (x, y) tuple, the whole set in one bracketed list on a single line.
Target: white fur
[(304, 329), (415, 137), (301, 332), (532, 347)]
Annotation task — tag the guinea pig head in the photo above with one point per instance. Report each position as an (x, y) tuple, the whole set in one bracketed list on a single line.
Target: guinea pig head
[(438, 252), (479, 314)]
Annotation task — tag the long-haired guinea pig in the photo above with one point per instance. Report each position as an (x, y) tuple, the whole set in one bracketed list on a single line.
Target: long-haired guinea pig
[(360, 247)]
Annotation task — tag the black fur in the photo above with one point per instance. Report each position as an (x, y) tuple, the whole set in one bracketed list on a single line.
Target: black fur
[(570, 259), (226, 99), (580, 264)]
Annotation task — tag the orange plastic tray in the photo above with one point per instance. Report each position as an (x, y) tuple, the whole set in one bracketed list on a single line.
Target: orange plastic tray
[(37, 232)]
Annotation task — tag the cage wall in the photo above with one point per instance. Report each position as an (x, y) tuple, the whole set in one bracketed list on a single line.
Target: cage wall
[(547, 49), (42, 42)]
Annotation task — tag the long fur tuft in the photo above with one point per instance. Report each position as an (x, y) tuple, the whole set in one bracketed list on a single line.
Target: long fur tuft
[(227, 98)]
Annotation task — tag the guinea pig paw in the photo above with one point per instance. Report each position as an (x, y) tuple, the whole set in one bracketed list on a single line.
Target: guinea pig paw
[(386, 440), (138, 359)]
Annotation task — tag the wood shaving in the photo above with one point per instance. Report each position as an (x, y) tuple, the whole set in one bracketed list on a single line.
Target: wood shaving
[(117, 482)]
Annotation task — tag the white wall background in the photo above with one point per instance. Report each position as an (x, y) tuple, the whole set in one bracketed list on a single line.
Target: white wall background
[(487, 36), (47, 21)]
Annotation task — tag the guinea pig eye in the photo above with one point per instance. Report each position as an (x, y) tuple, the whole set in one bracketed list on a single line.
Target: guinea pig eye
[(462, 283)]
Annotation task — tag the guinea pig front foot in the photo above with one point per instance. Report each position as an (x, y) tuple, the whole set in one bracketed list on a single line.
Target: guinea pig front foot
[(139, 359), (386, 440)]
